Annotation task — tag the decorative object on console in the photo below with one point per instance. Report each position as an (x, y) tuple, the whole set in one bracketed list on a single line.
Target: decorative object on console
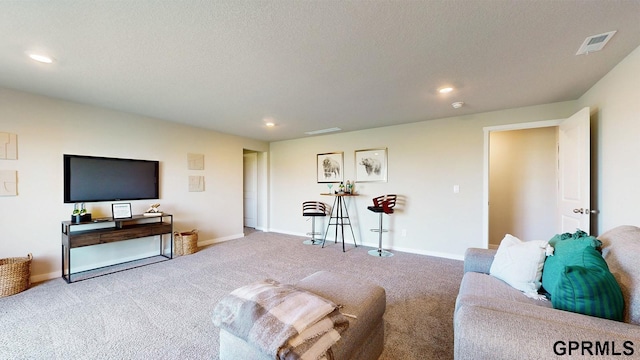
[(153, 210), (371, 165), (330, 167), (80, 214)]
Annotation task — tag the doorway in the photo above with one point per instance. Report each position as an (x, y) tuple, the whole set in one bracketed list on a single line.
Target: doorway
[(523, 184), (572, 180)]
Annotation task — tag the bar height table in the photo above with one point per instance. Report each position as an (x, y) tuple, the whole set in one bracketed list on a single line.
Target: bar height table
[(340, 215)]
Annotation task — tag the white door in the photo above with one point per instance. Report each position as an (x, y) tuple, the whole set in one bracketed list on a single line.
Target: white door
[(250, 190), (574, 182)]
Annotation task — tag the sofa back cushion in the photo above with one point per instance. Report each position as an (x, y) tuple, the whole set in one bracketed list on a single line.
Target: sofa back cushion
[(621, 250)]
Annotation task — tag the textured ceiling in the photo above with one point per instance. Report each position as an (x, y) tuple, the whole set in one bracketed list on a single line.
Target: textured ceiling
[(308, 65)]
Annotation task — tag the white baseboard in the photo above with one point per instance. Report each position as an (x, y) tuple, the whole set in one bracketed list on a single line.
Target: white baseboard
[(396, 248), (220, 239), (44, 277)]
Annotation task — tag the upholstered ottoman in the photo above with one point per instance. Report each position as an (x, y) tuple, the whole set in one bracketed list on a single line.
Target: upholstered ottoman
[(363, 340)]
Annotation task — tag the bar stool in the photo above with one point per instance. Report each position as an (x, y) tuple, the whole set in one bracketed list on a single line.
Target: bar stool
[(382, 205), (313, 209)]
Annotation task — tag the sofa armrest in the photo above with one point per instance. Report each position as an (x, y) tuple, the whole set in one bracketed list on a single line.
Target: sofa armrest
[(478, 260), (499, 329)]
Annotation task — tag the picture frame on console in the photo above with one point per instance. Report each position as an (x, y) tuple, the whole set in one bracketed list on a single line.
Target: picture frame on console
[(330, 167), (121, 211)]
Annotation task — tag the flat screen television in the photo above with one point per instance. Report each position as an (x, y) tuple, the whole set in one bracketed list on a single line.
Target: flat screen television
[(93, 179)]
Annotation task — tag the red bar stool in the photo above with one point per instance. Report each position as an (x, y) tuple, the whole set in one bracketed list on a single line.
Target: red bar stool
[(313, 209), (382, 205)]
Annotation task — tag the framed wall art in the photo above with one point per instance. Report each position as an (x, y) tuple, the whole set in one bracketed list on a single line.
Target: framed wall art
[(330, 167), (371, 165), (195, 161)]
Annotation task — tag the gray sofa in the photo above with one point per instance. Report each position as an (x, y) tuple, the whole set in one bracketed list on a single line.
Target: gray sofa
[(492, 320)]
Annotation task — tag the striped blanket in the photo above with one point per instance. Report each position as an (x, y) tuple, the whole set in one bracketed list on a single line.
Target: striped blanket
[(282, 321)]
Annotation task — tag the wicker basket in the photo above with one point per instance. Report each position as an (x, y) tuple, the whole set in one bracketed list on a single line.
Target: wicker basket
[(177, 245), (189, 240), (15, 274)]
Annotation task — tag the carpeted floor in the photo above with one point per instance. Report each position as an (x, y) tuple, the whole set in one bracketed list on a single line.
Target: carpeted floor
[(163, 311)]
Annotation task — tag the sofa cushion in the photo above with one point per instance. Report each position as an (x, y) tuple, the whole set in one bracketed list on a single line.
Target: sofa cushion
[(519, 263), (621, 250), (589, 290), (476, 286)]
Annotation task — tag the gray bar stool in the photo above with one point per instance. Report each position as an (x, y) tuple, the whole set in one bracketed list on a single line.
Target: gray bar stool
[(382, 205), (313, 209)]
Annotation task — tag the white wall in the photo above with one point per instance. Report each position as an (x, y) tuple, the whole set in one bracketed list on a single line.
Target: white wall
[(523, 184), (426, 160), (48, 128), (615, 107)]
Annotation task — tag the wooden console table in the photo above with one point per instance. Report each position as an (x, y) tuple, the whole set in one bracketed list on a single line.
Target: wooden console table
[(90, 234)]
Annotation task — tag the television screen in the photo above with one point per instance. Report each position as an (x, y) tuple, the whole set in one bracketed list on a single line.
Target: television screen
[(92, 179)]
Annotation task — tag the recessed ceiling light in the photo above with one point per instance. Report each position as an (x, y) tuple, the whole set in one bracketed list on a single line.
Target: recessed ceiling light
[(269, 121), (41, 58), (457, 104), (445, 90)]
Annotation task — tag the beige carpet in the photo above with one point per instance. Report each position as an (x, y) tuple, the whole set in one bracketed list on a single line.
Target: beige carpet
[(163, 311)]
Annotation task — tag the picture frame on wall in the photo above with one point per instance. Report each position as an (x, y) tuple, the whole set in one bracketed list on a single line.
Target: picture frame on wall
[(330, 167), (121, 211), (371, 165)]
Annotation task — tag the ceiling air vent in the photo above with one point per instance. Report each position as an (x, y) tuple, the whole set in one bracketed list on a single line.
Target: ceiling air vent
[(595, 43), (323, 131)]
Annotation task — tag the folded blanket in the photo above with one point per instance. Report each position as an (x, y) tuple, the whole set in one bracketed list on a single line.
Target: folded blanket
[(282, 321)]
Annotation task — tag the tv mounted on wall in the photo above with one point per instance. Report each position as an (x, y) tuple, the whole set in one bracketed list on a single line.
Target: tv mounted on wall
[(93, 179)]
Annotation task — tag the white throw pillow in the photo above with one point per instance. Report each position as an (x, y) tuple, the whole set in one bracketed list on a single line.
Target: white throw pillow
[(519, 263)]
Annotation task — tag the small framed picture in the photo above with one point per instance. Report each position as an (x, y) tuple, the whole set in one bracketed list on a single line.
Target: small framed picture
[(330, 167), (371, 165), (121, 211)]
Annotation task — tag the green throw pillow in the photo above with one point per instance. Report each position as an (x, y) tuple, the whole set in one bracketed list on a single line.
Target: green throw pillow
[(589, 290), (567, 252)]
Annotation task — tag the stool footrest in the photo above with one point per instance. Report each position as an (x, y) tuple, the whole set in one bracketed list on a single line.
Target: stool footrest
[(378, 230)]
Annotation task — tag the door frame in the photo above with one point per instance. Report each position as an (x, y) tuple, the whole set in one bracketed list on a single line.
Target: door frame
[(485, 175), (253, 175), (262, 220)]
